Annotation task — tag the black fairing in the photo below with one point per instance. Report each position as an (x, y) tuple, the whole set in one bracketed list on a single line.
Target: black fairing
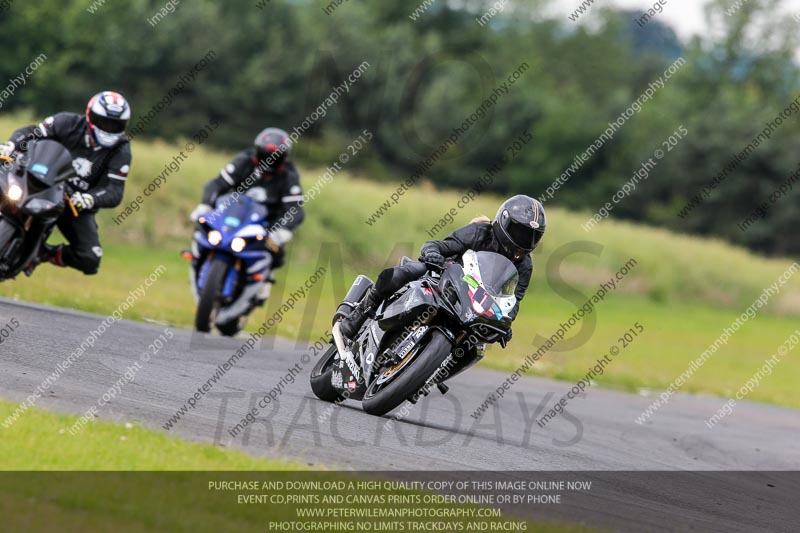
[(47, 162), (411, 304), (458, 299), (27, 222), (370, 346)]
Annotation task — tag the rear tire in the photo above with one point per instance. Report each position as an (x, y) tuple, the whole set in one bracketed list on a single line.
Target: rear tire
[(209, 297), (321, 378), (410, 379)]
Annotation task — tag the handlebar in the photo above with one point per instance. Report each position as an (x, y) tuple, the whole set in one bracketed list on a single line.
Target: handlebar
[(437, 269), (433, 267)]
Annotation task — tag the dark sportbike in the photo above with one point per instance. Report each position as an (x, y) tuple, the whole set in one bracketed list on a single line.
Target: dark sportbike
[(31, 200), (233, 260), (424, 334)]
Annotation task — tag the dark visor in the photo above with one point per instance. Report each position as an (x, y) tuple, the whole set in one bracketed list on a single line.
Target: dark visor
[(522, 235), (273, 158), (537, 236), (107, 124), (264, 153)]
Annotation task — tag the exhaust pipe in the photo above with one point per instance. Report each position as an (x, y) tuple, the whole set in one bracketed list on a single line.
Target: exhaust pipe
[(338, 340)]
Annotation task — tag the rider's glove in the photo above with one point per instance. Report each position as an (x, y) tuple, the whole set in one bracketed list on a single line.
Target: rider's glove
[(280, 236), (432, 257), (82, 200), (7, 148), (199, 211)]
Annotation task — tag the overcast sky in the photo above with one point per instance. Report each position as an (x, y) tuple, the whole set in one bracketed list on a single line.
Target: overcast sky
[(686, 16)]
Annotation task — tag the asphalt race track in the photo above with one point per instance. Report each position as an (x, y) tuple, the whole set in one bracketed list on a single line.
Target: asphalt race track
[(598, 433)]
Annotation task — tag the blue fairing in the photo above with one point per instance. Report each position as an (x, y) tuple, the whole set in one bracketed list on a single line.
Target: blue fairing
[(235, 215)]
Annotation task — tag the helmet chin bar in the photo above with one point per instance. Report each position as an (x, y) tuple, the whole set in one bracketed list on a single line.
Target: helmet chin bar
[(106, 139)]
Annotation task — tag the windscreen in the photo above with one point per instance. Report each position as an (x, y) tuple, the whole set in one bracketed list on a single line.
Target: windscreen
[(238, 212), (48, 160), (499, 275)]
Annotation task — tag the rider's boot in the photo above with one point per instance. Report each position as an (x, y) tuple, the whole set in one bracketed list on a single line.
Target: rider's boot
[(47, 253), (350, 325)]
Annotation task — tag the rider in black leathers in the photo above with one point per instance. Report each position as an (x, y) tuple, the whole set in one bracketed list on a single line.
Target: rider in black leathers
[(516, 230), (266, 167), (101, 158)]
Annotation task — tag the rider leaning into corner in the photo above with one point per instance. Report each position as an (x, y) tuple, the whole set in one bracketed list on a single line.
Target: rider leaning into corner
[(515, 232), (101, 158), (266, 174)]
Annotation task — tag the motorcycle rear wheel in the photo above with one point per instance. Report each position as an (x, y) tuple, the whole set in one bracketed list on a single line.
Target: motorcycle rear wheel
[(321, 378)]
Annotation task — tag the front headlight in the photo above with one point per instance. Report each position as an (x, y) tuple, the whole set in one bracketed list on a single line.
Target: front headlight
[(214, 237), (238, 244), (14, 193)]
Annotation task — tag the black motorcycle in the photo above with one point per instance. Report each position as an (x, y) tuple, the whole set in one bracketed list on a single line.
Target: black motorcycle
[(427, 332), (31, 200)]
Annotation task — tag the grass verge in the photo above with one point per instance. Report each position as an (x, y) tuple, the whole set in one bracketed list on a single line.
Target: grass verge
[(143, 497), (684, 290)]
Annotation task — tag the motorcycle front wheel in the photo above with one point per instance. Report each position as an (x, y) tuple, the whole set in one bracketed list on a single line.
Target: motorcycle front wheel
[(8, 232), (396, 383), (230, 329), (209, 302)]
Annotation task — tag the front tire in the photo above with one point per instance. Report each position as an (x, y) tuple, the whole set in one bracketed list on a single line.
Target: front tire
[(379, 400), (209, 302), (321, 378), (233, 327), (8, 232)]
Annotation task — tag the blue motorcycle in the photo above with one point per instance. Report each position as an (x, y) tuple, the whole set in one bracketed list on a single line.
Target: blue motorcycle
[(231, 263)]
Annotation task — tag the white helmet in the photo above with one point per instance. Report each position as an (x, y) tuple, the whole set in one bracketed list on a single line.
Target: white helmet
[(107, 115)]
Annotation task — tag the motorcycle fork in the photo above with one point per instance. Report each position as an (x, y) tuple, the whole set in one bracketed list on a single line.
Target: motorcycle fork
[(237, 267), (44, 234)]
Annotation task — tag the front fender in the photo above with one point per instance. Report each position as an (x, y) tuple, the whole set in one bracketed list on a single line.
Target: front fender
[(202, 276)]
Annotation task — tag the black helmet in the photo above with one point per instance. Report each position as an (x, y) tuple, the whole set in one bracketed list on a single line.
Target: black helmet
[(273, 147), (519, 225)]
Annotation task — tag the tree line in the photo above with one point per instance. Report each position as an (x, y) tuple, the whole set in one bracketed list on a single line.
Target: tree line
[(278, 63)]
